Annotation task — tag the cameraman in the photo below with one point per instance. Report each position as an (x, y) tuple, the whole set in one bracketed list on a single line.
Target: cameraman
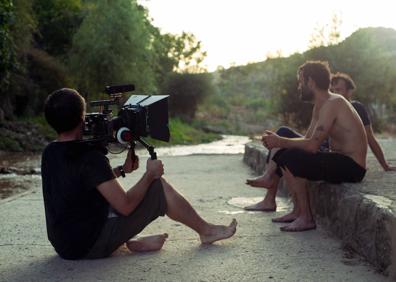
[(88, 214)]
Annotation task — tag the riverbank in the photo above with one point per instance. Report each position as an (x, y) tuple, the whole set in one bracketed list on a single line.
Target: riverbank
[(18, 169), (23, 136), (34, 134)]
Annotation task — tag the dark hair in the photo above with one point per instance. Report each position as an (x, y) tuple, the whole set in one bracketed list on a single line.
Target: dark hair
[(64, 109), (349, 83), (318, 71)]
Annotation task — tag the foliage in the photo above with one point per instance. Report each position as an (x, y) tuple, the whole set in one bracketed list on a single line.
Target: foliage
[(7, 50), (58, 20), (188, 53), (186, 91), (84, 44), (183, 133), (18, 27), (175, 53), (113, 46), (35, 72), (9, 144)]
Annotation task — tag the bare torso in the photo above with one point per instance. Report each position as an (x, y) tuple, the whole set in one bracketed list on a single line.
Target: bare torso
[(347, 134)]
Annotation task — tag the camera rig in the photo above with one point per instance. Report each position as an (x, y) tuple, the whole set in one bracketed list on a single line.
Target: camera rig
[(140, 116)]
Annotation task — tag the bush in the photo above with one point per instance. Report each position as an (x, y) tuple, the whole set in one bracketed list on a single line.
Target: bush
[(186, 91), (184, 134)]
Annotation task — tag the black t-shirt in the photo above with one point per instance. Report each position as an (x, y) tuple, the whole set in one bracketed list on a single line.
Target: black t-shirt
[(362, 112), (75, 211)]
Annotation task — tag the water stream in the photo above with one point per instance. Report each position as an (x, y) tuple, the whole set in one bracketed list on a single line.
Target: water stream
[(23, 169)]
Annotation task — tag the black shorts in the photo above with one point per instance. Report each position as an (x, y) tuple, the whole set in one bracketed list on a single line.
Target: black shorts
[(119, 229), (328, 166), (287, 132)]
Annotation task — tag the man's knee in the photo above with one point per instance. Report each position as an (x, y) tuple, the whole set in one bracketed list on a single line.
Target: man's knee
[(287, 132), (164, 183), (167, 187), (290, 158)]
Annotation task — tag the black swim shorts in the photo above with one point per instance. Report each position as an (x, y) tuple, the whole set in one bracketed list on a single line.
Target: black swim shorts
[(331, 167)]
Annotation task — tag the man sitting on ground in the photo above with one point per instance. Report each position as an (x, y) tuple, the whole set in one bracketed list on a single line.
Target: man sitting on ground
[(88, 214)]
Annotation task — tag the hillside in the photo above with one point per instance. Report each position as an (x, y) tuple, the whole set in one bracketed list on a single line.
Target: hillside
[(263, 94)]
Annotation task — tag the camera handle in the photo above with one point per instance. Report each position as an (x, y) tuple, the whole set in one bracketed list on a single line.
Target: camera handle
[(149, 148)]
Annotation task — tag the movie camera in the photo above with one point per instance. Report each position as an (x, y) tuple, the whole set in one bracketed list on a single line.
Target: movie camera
[(140, 116)]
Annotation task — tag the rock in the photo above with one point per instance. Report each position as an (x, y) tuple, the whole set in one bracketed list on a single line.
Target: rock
[(21, 136), (19, 171)]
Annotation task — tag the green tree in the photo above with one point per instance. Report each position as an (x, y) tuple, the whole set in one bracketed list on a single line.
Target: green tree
[(17, 30), (38, 72), (58, 20), (187, 51), (112, 46), (7, 57), (175, 53)]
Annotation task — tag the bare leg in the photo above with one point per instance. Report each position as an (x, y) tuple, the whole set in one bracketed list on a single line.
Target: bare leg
[(266, 180), (304, 221), (291, 216), (268, 204), (179, 209), (147, 243)]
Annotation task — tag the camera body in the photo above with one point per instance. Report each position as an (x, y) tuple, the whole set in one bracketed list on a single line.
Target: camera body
[(140, 116), (97, 126)]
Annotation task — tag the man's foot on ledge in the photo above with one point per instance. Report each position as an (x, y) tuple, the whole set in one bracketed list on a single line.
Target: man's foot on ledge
[(147, 244), (219, 232), (290, 217), (299, 225), (263, 181), (261, 206)]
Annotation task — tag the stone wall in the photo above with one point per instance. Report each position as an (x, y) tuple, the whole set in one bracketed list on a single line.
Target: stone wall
[(365, 223)]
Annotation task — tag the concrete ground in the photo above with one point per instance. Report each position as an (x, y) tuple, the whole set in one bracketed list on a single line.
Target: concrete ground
[(258, 251)]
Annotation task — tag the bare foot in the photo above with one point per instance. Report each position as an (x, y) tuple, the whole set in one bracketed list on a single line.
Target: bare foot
[(300, 224), (263, 181), (147, 243), (262, 206), (290, 217), (219, 232)]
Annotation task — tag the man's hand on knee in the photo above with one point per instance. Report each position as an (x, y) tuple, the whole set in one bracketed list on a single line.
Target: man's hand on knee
[(154, 168)]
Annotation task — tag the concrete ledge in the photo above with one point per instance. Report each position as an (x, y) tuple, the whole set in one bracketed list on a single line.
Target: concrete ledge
[(365, 222)]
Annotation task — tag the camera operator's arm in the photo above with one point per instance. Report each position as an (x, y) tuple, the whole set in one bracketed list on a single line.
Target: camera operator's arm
[(131, 163), (126, 201)]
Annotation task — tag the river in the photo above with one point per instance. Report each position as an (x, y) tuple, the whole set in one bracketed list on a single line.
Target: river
[(21, 171)]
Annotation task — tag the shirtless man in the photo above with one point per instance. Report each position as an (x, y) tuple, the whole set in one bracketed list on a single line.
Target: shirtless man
[(299, 159), (342, 84)]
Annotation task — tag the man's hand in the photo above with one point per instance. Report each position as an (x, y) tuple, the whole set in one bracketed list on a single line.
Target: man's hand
[(154, 168), (131, 162), (271, 140)]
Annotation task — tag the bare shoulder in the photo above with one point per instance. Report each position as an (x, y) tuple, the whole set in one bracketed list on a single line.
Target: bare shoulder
[(335, 101), (334, 106)]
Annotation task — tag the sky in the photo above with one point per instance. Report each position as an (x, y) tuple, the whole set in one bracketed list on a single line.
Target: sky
[(237, 32)]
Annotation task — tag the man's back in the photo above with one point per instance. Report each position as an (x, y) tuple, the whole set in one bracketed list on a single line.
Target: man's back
[(75, 211), (347, 133)]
